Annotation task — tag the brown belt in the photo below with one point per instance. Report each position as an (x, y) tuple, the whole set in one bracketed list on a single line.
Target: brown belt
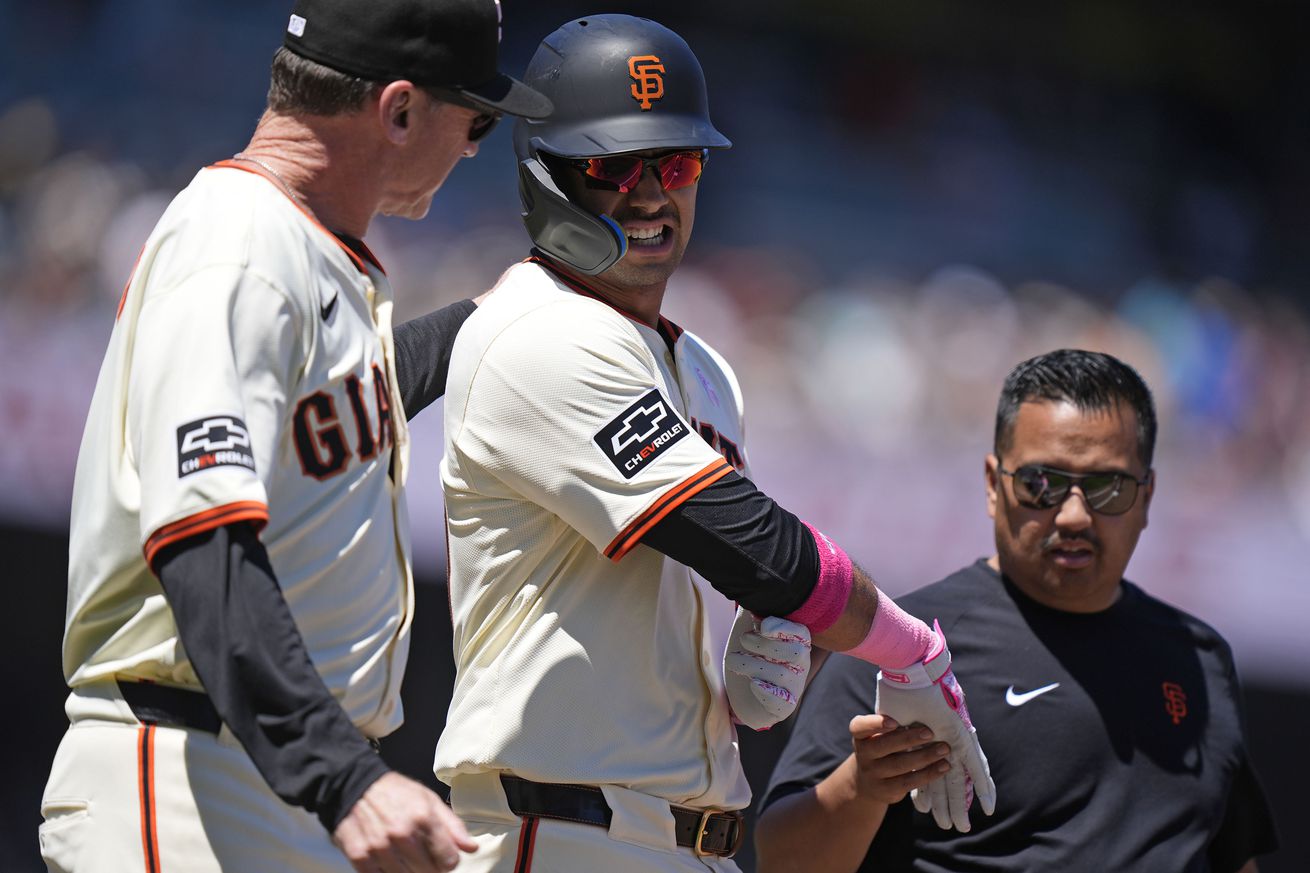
[(704, 831)]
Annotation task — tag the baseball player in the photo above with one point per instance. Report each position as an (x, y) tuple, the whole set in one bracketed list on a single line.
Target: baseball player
[(600, 523), (239, 584)]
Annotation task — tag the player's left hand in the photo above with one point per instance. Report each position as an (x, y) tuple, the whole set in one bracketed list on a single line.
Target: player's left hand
[(927, 692), (764, 668)]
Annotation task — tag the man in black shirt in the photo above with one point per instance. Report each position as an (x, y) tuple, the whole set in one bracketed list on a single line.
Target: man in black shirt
[(1112, 720)]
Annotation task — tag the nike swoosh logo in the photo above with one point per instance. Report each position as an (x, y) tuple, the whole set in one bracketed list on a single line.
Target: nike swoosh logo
[(1020, 699), (325, 311)]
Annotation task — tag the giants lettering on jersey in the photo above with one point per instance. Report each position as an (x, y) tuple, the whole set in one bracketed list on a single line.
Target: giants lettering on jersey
[(724, 446), (640, 434), (321, 441)]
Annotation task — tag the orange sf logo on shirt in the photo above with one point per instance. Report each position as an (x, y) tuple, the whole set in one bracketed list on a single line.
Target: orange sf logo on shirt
[(1175, 701), (646, 69)]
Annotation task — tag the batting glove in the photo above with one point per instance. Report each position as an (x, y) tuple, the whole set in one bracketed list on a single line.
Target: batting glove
[(764, 668), (928, 693)]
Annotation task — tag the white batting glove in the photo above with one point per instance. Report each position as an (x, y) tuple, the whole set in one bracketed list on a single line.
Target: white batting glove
[(928, 693), (764, 668)]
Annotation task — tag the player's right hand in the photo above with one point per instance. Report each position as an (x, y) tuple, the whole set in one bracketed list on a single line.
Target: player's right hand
[(928, 693), (765, 666), (400, 826)]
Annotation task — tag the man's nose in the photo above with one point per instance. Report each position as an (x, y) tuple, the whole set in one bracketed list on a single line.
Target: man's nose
[(1074, 513), (649, 189)]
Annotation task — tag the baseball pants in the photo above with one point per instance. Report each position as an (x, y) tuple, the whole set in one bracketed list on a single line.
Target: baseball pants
[(124, 797)]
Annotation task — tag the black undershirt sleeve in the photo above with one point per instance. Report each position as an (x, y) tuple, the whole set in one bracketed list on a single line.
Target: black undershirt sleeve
[(423, 354), (747, 546), (245, 647)]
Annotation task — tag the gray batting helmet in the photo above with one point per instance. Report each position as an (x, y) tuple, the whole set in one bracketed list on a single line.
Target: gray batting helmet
[(619, 84)]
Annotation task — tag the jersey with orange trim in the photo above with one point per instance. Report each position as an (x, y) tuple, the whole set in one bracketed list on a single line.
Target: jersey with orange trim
[(583, 656), (249, 377)]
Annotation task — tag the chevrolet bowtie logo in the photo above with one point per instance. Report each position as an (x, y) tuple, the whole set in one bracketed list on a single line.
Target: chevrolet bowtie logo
[(216, 441), (640, 424), (645, 429), (215, 435)]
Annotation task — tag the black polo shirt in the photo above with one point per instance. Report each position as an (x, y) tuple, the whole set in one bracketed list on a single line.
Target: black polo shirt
[(1115, 738)]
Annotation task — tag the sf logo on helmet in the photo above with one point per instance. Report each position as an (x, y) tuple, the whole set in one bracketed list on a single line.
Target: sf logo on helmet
[(646, 69)]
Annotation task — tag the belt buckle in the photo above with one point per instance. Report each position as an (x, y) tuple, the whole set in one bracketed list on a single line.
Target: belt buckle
[(705, 815)]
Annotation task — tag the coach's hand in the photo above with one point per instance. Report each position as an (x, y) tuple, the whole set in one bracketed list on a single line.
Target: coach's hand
[(891, 760), (399, 826), (927, 693), (764, 668)]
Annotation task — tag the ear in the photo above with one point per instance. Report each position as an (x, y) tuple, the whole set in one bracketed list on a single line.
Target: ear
[(1148, 493), (396, 104), (993, 482)]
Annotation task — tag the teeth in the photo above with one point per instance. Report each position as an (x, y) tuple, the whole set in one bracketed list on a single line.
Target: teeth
[(646, 235)]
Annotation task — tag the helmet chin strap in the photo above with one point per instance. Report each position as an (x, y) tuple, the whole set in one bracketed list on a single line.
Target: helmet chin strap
[(588, 243)]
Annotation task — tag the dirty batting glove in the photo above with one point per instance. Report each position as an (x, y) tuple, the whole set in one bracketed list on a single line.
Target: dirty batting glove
[(928, 693), (764, 668)]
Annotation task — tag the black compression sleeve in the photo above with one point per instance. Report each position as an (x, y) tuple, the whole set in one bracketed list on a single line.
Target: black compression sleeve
[(423, 354), (748, 547), (248, 653)]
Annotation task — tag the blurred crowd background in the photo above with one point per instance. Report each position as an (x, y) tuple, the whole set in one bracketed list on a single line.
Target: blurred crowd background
[(919, 196)]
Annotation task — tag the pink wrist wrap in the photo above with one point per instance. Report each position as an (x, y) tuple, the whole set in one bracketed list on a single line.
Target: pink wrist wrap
[(828, 599), (896, 639)]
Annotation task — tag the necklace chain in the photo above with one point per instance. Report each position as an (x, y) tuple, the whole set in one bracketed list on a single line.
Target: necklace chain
[(242, 156)]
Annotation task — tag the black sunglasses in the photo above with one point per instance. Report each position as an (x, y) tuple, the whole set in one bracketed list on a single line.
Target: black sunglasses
[(1039, 487), (481, 125)]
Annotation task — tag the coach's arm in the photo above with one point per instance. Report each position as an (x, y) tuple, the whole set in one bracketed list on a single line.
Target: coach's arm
[(245, 647), (423, 348), (829, 827)]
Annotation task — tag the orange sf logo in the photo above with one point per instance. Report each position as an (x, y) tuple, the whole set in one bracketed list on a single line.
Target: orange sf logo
[(1175, 701), (646, 69)]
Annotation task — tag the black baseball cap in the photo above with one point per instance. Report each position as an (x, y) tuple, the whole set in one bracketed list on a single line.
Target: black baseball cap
[(438, 43)]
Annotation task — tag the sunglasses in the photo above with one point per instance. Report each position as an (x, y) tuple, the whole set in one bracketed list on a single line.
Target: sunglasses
[(1039, 487), (623, 172), (482, 123)]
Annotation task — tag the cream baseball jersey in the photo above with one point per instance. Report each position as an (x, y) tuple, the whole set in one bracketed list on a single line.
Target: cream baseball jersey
[(583, 656), (249, 376)]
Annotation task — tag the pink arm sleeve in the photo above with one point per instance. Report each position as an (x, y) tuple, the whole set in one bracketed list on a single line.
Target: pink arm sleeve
[(895, 639)]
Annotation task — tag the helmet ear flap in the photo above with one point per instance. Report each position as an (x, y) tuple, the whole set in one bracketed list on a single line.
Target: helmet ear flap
[(588, 243)]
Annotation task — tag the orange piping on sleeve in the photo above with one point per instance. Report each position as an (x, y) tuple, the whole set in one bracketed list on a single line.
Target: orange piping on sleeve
[(669, 501), (245, 510)]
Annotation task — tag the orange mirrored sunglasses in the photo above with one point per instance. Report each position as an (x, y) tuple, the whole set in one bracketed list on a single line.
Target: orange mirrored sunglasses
[(623, 172)]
